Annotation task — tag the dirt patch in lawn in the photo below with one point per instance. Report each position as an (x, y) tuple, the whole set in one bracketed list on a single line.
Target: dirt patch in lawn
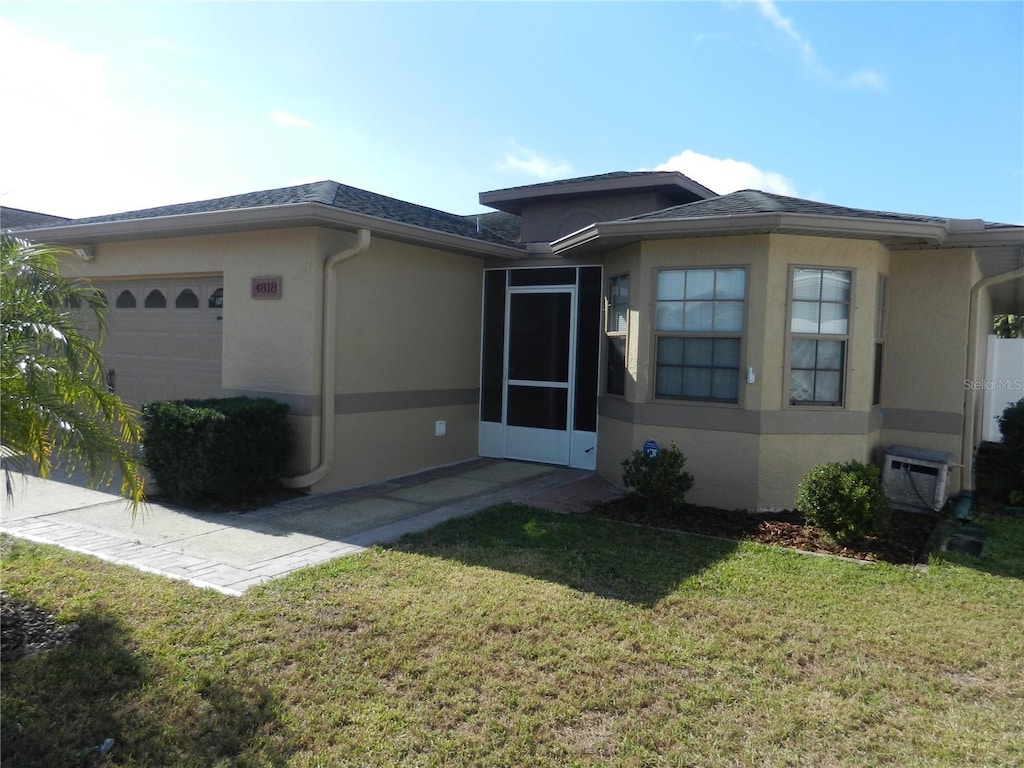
[(26, 628), (907, 542)]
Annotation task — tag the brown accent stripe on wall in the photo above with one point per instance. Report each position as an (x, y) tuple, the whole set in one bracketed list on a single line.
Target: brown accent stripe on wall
[(368, 402), (939, 422), (791, 421)]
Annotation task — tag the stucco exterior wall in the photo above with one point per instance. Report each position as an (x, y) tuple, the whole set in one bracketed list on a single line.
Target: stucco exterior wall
[(269, 344), (751, 454), (408, 356), (926, 355)]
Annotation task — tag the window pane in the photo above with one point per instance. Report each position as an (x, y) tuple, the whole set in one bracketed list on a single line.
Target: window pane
[(616, 379), (727, 353), (725, 384), (620, 290), (700, 284), (125, 300), (729, 284), (805, 317), (670, 316), (834, 318), (830, 355), (698, 315), (806, 284), (696, 382), (804, 353), (801, 386), (187, 299), (728, 316), (669, 382), (835, 285), (155, 300), (670, 351), (827, 386), (698, 352), (670, 284)]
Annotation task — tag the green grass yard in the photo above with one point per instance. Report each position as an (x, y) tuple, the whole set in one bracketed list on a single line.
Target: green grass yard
[(523, 637)]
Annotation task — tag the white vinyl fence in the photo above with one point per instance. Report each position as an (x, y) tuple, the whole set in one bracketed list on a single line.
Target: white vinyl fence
[(1003, 383)]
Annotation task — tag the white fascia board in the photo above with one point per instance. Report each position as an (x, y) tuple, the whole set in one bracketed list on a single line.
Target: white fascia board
[(615, 232), (989, 238), (267, 217)]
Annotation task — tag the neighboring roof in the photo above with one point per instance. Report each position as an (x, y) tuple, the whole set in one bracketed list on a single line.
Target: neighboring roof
[(328, 193), (672, 184), (18, 217)]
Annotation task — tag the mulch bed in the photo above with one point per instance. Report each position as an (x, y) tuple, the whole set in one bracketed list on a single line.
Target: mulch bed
[(907, 542)]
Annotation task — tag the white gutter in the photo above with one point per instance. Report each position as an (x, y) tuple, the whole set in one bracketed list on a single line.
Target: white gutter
[(970, 402), (328, 359), (266, 217), (933, 232)]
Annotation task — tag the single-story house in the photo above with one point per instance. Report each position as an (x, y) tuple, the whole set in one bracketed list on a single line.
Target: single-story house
[(762, 334)]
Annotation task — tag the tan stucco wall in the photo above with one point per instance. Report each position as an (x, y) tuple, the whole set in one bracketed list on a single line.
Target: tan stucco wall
[(408, 355), (269, 344), (752, 454), (407, 349), (928, 322), (270, 347)]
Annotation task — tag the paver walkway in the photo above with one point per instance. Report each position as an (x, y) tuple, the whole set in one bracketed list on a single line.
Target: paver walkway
[(232, 551)]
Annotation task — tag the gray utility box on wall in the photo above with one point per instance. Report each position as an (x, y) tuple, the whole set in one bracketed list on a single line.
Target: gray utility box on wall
[(916, 478)]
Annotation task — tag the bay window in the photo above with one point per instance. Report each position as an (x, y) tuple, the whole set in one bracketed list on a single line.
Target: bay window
[(819, 335), (699, 333)]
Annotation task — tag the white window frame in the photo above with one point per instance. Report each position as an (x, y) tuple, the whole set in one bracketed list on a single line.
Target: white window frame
[(820, 336), (616, 329), (739, 336)]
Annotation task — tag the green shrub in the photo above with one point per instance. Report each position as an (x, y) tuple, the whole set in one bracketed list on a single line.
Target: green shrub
[(1011, 426), (226, 450), (845, 500), (659, 482)]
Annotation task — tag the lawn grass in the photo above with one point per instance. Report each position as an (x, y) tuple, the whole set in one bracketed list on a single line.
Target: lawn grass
[(524, 637)]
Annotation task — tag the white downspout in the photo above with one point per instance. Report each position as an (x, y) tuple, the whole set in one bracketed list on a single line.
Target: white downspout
[(970, 404), (328, 355)]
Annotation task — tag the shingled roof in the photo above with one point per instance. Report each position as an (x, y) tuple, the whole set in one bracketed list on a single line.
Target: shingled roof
[(750, 201), (11, 218), (329, 193)]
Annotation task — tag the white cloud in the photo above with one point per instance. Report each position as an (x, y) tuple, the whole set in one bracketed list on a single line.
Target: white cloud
[(528, 161), (867, 78), (72, 147), (727, 175), (283, 118), (864, 79)]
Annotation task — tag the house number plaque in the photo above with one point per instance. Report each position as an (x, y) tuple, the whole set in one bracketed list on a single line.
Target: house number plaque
[(266, 288)]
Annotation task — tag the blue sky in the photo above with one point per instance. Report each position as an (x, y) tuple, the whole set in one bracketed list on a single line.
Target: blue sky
[(915, 107)]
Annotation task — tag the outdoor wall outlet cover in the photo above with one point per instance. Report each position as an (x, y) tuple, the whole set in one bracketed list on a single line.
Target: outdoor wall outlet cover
[(440, 428)]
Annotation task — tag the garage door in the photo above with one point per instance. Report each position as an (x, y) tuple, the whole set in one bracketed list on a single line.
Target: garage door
[(163, 338)]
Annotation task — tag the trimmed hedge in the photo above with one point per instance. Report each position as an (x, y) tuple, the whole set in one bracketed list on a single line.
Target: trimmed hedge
[(224, 450)]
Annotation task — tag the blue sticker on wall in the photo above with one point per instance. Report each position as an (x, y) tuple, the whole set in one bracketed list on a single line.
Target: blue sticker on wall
[(651, 449)]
